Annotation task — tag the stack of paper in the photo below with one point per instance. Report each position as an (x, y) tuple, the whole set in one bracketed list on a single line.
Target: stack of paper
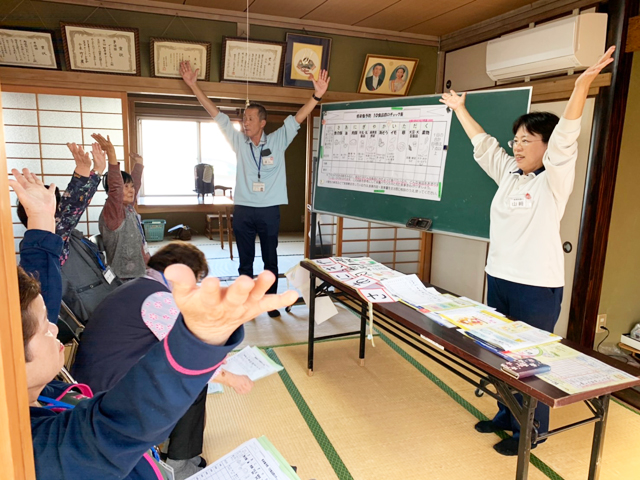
[(256, 459), (510, 336), (252, 362), (572, 371), (473, 318)]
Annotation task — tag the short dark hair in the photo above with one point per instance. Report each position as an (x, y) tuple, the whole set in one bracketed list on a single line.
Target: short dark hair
[(539, 123), (262, 112), (126, 178), (180, 252), (29, 289), (401, 68), (22, 213)]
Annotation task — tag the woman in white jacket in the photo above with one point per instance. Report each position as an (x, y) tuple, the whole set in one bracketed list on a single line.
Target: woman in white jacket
[(525, 266)]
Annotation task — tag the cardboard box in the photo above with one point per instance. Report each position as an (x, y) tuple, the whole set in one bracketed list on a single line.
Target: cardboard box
[(630, 341)]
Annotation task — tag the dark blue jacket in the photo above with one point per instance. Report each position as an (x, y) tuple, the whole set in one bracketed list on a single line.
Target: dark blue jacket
[(40, 255), (106, 437)]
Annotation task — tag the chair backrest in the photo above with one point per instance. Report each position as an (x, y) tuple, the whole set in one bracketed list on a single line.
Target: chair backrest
[(203, 175)]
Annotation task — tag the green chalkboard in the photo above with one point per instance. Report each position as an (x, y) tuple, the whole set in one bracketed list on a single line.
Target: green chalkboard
[(466, 192)]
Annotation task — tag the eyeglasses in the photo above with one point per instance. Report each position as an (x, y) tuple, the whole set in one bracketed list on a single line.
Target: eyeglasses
[(524, 143)]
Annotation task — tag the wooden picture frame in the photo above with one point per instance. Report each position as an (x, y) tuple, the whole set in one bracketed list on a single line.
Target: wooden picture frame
[(166, 55), (305, 53), (33, 48), (265, 61), (101, 49), (391, 80)]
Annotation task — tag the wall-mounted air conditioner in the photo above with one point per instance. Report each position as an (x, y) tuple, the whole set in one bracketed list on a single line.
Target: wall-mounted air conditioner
[(570, 43)]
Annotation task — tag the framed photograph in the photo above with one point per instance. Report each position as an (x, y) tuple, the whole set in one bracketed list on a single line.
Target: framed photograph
[(95, 48), (27, 48), (387, 75), (305, 55), (256, 61), (166, 55)]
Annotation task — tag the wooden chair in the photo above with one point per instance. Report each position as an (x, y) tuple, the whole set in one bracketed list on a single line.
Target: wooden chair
[(225, 223)]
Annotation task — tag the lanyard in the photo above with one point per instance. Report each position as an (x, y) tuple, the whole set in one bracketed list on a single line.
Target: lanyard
[(144, 238), (97, 255), (53, 403), (258, 163)]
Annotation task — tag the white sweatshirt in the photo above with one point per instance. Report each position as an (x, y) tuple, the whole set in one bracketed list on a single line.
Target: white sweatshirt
[(526, 210)]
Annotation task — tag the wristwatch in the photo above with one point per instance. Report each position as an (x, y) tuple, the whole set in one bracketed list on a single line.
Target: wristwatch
[(313, 95)]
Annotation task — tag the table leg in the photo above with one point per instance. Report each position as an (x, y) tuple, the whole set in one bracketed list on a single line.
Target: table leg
[(220, 228), (312, 320), (524, 446), (230, 232), (363, 331), (602, 407)]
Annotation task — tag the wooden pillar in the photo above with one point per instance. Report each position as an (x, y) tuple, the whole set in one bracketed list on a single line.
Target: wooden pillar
[(606, 136), (16, 449)]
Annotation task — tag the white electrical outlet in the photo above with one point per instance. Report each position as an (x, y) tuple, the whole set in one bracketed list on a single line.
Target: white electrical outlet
[(601, 322)]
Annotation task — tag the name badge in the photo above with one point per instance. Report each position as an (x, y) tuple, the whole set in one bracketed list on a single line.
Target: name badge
[(109, 276), (267, 160), (520, 201), (258, 187), (168, 471)]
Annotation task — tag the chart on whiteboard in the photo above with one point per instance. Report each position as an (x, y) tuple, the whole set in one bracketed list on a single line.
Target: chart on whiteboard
[(390, 150)]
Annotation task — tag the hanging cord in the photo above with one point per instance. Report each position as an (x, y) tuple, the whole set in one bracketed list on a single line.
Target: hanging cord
[(246, 64)]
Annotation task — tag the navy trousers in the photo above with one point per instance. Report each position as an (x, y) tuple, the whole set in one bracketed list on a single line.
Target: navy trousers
[(537, 306), (264, 222)]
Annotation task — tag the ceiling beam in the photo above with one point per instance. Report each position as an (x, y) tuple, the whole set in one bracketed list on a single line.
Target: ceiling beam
[(494, 27), (205, 13)]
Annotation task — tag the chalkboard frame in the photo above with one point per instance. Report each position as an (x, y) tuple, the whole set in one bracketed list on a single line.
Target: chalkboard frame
[(467, 191)]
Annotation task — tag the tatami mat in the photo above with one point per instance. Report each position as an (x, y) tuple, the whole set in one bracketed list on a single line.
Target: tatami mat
[(269, 410), (567, 453), (387, 421)]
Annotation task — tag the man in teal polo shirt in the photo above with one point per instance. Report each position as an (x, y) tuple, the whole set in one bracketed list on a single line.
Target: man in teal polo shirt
[(261, 181)]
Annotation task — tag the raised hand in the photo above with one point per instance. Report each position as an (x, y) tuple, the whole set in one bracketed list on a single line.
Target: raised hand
[(38, 201), (83, 162), (211, 312), (453, 100), (107, 146), (321, 84), (589, 75), (99, 159), (189, 76), (136, 158)]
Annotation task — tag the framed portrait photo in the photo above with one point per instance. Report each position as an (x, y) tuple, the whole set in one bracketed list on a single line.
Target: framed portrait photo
[(256, 61), (305, 55), (96, 48), (27, 48), (387, 75), (166, 55)]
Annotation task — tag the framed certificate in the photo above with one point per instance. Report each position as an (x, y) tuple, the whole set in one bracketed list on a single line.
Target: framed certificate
[(255, 61), (27, 48), (94, 48), (305, 55), (166, 55)]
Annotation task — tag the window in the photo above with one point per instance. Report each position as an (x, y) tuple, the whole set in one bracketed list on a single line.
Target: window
[(172, 148), (37, 128)]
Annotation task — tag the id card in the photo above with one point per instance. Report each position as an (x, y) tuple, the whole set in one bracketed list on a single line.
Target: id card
[(168, 471), (258, 187), (267, 160), (109, 276), (520, 201)]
